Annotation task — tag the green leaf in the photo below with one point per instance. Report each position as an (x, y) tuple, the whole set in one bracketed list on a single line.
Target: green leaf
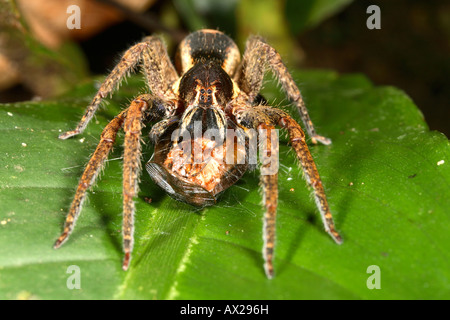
[(386, 176)]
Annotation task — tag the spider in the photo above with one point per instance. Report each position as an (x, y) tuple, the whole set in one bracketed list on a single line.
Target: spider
[(208, 88)]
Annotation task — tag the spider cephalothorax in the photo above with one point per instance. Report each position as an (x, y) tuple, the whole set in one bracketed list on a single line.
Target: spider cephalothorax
[(204, 113)]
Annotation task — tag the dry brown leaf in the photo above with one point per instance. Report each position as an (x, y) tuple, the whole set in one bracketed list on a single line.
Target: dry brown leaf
[(47, 19)]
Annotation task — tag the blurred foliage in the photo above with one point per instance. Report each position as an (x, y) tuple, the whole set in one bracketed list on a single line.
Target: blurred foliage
[(411, 51), (278, 21), (43, 55), (45, 71), (309, 13)]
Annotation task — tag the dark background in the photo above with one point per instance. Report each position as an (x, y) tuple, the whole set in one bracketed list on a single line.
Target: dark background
[(411, 51)]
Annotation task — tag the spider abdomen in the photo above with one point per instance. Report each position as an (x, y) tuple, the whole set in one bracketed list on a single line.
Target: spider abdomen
[(211, 45)]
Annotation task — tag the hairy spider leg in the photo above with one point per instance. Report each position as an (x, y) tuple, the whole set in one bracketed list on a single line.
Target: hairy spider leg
[(257, 56), (90, 173), (131, 119), (160, 75), (298, 142), (159, 71), (269, 184), (265, 117), (131, 171), (153, 54)]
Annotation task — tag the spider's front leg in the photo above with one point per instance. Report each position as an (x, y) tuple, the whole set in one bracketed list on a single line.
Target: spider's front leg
[(264, 118), (94, 166), (257, 56), (131, 171), (269, 181), (298, 142), (144, 106)]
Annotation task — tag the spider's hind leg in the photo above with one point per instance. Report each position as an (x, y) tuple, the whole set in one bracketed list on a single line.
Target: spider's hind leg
[(159, 72)]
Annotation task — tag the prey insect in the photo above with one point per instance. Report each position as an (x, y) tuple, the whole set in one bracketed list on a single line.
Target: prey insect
[(210, 88)]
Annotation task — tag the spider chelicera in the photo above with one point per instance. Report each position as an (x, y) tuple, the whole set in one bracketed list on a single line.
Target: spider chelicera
[(208, 90)]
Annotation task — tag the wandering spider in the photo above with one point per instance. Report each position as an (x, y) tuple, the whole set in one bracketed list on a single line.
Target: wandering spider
[(209, 89)]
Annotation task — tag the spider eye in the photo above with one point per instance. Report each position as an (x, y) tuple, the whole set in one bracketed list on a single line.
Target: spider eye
[(209, 91)]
